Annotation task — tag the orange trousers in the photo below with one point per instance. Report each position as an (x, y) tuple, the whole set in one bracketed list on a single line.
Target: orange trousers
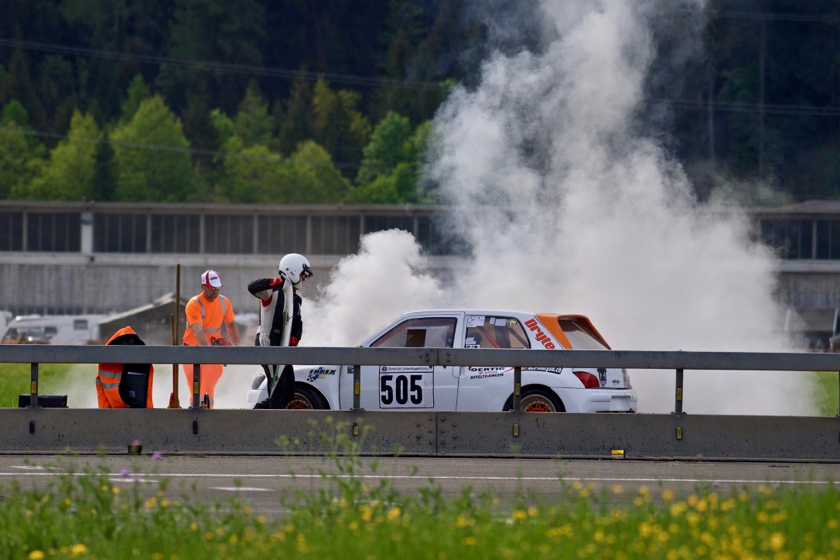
[(210, 375)]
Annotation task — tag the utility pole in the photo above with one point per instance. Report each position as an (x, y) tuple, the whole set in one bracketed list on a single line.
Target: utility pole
[(761, 63)]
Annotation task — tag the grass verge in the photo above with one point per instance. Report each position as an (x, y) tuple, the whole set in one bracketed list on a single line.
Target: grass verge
[(827, 393), (14, 380)]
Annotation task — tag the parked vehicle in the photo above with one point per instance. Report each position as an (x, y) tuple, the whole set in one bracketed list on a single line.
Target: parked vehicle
[(52, 329), (544, 389)]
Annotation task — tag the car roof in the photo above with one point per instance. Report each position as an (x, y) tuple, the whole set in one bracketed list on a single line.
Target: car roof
[(543, 317)]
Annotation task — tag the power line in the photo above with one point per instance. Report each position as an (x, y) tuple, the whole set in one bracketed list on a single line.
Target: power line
[(219, 66), (772, 108), (755, 16), (770, 16), (176, 149)]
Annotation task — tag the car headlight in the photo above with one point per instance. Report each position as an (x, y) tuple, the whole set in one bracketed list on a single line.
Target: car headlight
[(257, 382)]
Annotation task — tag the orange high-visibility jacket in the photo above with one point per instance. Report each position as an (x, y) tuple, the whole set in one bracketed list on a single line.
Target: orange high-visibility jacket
[(210, 315), (125, 385)]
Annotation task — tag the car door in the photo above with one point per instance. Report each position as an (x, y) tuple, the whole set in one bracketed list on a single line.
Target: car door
[(487, 388), (414, 387)]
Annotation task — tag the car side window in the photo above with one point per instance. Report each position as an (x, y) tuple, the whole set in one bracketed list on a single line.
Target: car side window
[(495, 332), (427, 332)]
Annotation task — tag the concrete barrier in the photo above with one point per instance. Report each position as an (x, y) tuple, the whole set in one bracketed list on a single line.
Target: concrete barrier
[(497, 434)]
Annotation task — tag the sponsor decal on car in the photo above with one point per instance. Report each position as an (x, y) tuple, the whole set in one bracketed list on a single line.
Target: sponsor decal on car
[(487, 372), (541, 337), (420, 369), (548, 369), (319, 373)]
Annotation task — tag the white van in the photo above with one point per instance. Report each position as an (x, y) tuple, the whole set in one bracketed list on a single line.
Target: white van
[(53, 329)]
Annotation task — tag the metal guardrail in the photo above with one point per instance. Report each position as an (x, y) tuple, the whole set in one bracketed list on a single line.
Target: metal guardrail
[(678, 361), (425, 433)]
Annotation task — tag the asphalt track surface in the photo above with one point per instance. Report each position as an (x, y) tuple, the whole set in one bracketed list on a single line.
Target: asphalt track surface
[(265, 481)]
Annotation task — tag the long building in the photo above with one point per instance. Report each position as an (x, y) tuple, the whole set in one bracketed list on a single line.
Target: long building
[(66, 258)]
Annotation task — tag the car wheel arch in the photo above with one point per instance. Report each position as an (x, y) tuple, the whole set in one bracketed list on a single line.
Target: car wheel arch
[(308, 393), (534, 389)]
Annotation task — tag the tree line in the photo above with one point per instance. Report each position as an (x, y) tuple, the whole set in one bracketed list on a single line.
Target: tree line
[(290, 101)]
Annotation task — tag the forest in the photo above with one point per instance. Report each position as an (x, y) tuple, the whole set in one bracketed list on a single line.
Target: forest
[(305, 102)]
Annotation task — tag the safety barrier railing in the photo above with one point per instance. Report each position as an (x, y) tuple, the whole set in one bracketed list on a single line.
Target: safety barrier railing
[(518, 359)]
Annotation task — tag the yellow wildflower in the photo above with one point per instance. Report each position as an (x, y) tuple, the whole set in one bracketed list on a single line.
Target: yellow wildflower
[(36, 555), (777, 541), (77, 549), (301, 543)]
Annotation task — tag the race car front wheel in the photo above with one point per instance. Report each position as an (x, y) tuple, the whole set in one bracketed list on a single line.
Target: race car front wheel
[(306, 398), (539, 400)]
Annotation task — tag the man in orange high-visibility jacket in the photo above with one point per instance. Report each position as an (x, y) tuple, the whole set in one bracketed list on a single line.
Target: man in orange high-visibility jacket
[(125, 385), (205, 314)]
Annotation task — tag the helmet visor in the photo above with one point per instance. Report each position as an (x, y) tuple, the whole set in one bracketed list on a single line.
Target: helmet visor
[(306, 272)]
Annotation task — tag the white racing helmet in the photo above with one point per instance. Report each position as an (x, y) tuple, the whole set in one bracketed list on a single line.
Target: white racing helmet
[(295, 267)]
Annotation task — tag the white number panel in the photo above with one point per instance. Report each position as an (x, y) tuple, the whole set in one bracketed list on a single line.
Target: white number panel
[(406, 387)]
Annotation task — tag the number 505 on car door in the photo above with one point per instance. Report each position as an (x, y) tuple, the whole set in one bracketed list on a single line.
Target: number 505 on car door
[(420, 387)]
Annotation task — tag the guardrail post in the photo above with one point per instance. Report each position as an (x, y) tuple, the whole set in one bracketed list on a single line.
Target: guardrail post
[(33, 390), (517, 388), (678, 406), (196, 400), (357, 387)]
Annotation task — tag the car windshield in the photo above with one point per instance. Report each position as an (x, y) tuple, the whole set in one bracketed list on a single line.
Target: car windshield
[(579, 336), (22, 334)]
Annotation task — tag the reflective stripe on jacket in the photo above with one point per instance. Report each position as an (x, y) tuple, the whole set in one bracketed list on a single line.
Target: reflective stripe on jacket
[(109, 377), (211, 326)]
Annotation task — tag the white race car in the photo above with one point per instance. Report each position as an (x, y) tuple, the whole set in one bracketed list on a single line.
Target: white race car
[(469, 388)]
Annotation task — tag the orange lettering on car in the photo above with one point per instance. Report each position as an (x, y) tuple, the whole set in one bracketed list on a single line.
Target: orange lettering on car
[(540, 336)]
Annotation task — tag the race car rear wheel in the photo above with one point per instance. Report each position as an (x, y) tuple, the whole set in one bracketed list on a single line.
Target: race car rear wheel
[(539, 400), (306, 398)]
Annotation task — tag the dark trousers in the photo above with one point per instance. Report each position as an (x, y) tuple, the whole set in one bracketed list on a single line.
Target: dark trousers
[(284, 391)]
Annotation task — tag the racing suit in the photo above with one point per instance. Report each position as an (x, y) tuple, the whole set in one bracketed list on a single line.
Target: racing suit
[(280, 325)]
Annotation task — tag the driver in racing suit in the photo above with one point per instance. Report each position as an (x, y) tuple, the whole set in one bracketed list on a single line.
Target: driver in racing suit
[(280, 324)]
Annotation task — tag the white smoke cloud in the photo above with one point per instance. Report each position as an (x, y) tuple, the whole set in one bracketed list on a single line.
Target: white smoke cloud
[(386, 277), (569, 207)]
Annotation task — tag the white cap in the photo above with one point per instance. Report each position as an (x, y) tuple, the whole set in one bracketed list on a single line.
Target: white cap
[(211, 278)]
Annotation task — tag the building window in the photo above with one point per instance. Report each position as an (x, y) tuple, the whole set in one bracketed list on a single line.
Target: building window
[(54, 232), (228, 234), (119, 233), (792, 239), (828, 239), (335, 235), (172, 233), (11, 231), (381, 223), (278, 235)]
